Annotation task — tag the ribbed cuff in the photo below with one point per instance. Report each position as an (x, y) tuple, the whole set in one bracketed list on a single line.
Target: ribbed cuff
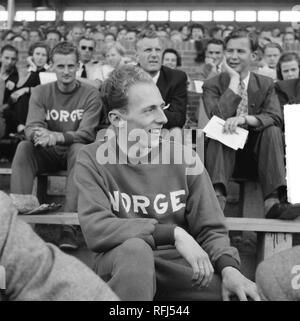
[(68, 139), (225, 260), (164, 234)]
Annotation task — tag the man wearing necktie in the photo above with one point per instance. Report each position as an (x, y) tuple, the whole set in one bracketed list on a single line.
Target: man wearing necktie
[(246, 99)]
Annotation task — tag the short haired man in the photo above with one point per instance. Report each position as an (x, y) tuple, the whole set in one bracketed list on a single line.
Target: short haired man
[(171, 83), (243, 98), (63, 115), (272, 52), (288, 39), (77, 33), (9, 78), (35, 35), (214, 56), (53, 37), (89, 69), (197, 32), (156, 226)]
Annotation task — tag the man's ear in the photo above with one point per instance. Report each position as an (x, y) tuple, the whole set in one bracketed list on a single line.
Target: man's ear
[(254, 55), (116, 118)]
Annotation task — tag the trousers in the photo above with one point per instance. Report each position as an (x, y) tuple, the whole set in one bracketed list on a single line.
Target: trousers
[(30, 161), (267, 148), (137, 272)]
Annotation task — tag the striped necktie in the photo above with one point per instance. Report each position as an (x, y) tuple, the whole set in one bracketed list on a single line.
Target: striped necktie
[(243, 106)]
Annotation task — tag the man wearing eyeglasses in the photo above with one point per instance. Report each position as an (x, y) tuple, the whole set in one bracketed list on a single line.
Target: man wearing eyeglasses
[(88, 71)]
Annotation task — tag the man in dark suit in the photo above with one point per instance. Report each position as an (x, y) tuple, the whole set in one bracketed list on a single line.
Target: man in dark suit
[(171, 83), (246, 99)]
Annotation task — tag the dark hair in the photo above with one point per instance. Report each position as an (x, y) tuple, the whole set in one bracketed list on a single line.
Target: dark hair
[(197, 26), (214, 41), (64, 48), (88, 39), (39, 44), (285, 57), (114, 91), (110, 34), (214, 30), (54, 31), (272, 45), (9, 47), (175, 52), (241, 33), (6, 32), (38, 31)]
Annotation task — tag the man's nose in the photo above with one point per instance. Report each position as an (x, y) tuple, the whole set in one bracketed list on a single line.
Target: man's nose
[(161, 117)]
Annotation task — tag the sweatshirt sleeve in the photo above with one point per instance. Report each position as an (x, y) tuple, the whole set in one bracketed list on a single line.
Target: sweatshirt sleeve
[(36, 113), (102, 229), (206, 222), (86, 132), (38, 271)]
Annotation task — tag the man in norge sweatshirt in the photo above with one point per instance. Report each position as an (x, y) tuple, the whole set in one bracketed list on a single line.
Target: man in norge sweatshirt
[(63, 115), (152, 218)]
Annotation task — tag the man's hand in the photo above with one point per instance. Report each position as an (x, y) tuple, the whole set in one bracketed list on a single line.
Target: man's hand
[(43, 137), (232, 123), (18, 93), (235, 283), (231, 72), (186, 245), (210, 61)]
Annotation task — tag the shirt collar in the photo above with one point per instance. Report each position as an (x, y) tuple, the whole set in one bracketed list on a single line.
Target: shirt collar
[(246, 80), (155, 78)]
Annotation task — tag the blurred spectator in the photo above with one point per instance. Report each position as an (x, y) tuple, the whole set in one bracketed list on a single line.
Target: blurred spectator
[(185, 32), (288, 40), (7, 35), (9, 77), (288, 66), (131, 35), (216, 33), (225, 33), (53, 37), (17, 38), (122, 35), (35, 35), (38, 62), (197, 32), (62, 28), (77, 33), (25, 34), (171, 58), (176, 36), (109, 38), (276, 32), (98, 36)]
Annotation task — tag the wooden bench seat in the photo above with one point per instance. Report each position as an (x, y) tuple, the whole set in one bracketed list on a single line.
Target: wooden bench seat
[(273, 235)]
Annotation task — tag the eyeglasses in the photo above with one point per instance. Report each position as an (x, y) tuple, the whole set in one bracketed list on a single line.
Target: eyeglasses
[(85, 47)]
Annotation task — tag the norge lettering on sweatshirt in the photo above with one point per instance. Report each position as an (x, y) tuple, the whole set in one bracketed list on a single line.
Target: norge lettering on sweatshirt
[(141, 204), (64, 115)]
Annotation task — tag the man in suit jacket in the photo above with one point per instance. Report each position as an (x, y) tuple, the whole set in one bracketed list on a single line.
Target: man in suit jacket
[(246, 99), (171, 83)]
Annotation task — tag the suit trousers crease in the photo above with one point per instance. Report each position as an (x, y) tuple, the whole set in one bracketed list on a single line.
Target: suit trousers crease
[(266, 146), (137, 272)]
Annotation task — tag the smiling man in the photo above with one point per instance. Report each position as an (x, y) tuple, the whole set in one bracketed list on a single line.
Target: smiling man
[(171, 83), (156, 230), (247, 99), (62, 116)]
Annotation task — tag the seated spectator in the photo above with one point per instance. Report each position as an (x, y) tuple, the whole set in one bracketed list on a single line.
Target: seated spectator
[(271, 54), (243, 98), (171, 83), (171, 58), (35, 35), (62, 28), (216, 33), (197, 32), (76, 34), (39, 271), (89, 70), (38, 62), (131, 36), (278, 277), (114, 53), (147, 249), (176, 36), (288, 40), (185, 32), (9, 77), (288, 66), (25, 34), (109, 38), (63, 115), (214, 56), (53, 37)]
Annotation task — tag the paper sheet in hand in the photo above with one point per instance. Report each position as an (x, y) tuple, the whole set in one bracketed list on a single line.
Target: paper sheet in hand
[(46, 77), (292, 134), (214, 130)]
